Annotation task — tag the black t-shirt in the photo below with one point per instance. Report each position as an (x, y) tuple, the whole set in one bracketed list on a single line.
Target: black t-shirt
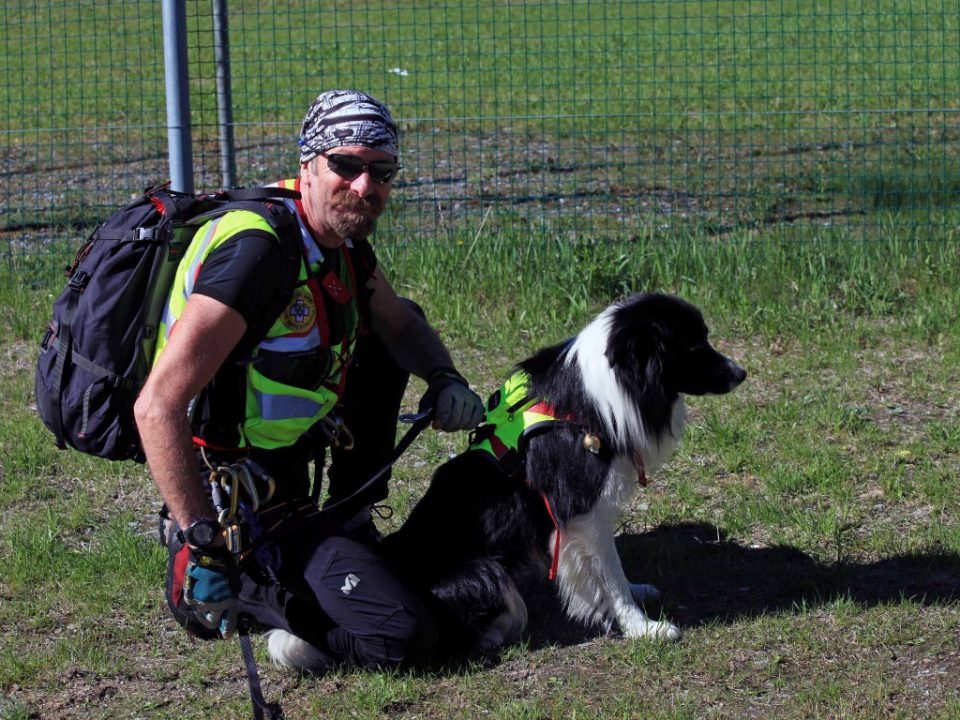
[(246, 273)]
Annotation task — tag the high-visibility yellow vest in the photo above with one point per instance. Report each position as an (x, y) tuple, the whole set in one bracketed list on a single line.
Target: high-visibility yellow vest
[(295, 376)]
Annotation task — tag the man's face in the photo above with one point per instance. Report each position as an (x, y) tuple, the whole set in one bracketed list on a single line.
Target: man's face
[(340, 207)]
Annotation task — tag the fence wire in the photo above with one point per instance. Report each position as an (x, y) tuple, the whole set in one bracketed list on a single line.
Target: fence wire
[(568, 117)]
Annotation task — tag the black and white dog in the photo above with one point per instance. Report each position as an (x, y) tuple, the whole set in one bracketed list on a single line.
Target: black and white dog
[(482, 529)]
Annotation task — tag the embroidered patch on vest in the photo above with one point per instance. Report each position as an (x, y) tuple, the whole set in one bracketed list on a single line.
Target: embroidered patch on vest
[(301, 313), (335, 288)]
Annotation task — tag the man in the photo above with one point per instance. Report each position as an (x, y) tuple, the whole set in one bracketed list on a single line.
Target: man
[(247, 367)]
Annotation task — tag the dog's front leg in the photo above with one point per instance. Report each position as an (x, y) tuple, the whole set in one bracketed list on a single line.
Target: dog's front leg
[(594, 587)]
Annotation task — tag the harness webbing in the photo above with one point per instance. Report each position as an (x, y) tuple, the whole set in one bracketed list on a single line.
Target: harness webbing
[(530, 414), (513, 415), (555, 563)]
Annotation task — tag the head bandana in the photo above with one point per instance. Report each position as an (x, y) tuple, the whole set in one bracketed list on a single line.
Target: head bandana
[(347, 117)]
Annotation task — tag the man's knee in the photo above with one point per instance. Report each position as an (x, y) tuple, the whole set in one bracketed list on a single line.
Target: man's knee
[(416, 644), (380, 622)]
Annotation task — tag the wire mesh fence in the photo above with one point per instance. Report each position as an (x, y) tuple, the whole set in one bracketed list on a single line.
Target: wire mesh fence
[(568, 117)]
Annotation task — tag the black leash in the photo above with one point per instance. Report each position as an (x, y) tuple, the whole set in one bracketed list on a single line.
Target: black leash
[(418, 423), (262, 710)]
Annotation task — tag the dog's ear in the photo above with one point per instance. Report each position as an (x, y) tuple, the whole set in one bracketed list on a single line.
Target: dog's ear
[(636, 351), (681, 359)]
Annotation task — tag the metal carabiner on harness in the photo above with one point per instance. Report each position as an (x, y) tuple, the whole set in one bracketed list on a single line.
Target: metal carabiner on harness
[(235, 483), (336, 432)]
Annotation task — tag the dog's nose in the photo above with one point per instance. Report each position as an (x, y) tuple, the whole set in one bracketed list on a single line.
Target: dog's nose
[(738, 373)]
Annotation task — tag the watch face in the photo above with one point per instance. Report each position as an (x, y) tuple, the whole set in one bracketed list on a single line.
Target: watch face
[(201, 533)]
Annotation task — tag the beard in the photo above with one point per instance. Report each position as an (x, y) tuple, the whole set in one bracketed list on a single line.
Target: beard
[(353, 216)]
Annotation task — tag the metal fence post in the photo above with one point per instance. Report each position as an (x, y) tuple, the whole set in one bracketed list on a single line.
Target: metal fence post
[(221, 49), (180, 146)]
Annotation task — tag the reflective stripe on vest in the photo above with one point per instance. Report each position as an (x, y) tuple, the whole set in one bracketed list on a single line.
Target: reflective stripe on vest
[(277, 407)]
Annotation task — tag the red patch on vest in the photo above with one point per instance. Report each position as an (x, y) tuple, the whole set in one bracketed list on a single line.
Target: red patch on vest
[(335, 288)]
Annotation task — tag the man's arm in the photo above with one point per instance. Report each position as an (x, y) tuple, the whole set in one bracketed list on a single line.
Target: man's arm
[(202, 339), (411, 341), (416, 347)]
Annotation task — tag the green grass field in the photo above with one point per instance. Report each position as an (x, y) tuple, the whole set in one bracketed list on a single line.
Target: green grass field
[(790, 168), (806, 533)]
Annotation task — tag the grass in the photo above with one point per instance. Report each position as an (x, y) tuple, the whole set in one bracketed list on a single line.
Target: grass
[(806, 533), (718, 66)]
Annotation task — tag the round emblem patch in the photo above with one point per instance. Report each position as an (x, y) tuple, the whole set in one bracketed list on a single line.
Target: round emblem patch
[(301, 313)]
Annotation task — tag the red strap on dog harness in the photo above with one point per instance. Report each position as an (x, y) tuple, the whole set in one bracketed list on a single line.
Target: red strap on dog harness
[(552, 575), (641, 472)]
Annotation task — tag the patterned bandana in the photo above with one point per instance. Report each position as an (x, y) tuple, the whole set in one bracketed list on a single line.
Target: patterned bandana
[(347, 117)]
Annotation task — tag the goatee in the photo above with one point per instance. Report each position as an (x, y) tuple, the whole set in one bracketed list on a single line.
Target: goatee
[(354, 216)]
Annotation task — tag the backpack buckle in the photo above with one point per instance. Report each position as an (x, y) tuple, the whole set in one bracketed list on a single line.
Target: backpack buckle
[(78, 281)]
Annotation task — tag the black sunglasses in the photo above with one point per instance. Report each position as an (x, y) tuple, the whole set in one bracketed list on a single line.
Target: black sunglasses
[(349, 166)]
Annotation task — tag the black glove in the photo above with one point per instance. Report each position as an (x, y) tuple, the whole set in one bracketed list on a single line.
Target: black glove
[(455, 405), (211, 586)]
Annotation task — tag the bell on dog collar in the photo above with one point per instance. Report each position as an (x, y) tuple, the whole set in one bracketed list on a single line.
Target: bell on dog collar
[(591, 442)]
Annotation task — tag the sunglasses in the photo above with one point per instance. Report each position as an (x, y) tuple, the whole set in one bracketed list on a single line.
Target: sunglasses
[(349, 167)]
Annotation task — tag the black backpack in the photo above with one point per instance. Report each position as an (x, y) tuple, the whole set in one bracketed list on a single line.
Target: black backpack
[(99, 346)]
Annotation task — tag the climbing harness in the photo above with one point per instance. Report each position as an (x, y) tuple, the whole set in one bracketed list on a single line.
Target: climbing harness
[(336, 432), (417, 423)]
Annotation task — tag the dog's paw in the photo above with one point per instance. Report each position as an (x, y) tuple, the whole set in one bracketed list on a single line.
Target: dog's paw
[(665, 631), (644, 594), (653, 629)]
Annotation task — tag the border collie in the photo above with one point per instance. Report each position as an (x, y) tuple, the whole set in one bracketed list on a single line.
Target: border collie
[(485, 526)]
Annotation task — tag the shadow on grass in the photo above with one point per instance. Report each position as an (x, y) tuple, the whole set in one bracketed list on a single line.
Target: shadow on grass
[(706, 578)]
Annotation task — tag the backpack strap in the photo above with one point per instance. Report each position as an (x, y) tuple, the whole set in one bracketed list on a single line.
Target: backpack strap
[(64, 341), (260, 193)]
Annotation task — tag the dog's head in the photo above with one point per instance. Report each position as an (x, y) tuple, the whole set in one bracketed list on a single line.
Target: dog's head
[(658, 344)]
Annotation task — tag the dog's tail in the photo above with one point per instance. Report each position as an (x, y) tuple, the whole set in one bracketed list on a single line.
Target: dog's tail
[(484, 603)]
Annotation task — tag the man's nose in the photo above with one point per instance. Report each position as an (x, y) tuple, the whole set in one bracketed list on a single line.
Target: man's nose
[(362, 185)]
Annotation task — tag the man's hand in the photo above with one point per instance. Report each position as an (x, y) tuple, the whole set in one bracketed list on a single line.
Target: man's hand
[(211, 587), (455, 405)]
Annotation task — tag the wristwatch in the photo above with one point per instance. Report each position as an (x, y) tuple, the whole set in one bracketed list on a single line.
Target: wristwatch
[(201, 534)]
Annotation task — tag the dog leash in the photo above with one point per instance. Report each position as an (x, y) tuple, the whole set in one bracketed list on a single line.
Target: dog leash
[(262, 710), (418, 421)]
